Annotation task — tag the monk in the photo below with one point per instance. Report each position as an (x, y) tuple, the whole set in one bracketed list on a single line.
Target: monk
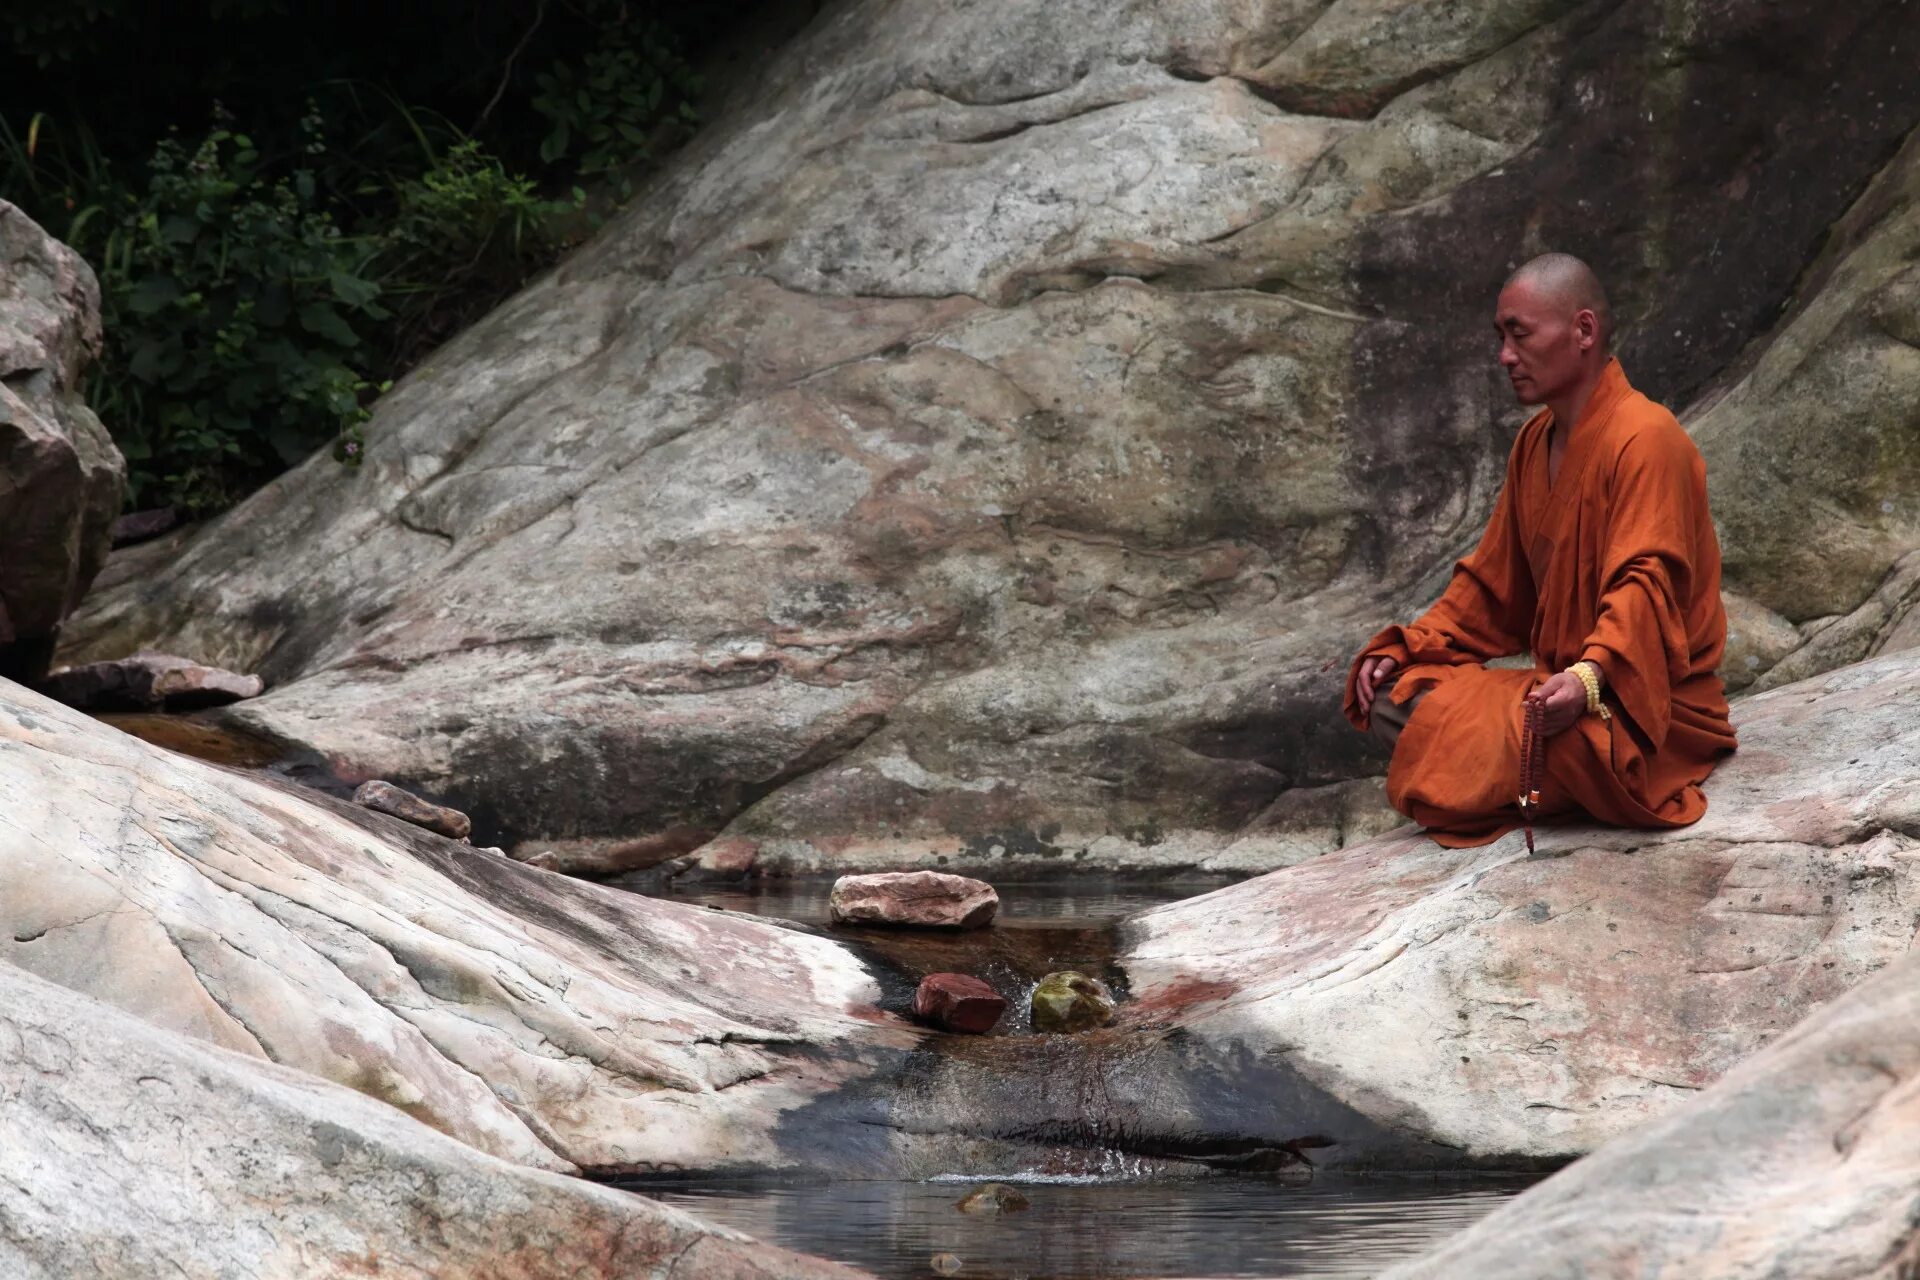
[(1601, 562)]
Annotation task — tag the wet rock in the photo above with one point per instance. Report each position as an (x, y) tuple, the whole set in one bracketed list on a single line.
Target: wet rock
[(957, 1002), (946, 1264), (134, 1152), (549, 1021), (1069, 1001), (1802, 1161), (1117, 369), (993, 1199), (384, 797), (927, 899), (149, 681), (60, 475)]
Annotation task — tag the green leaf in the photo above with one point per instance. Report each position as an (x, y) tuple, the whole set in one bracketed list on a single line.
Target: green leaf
[(318, 317), (152, 294)]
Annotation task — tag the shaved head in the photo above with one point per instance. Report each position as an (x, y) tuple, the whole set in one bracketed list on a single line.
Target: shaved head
[(1563, 281)]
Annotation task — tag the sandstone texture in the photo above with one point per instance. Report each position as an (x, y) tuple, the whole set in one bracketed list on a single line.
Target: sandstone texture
[(148, 681), (1533, 1008), (60, 475), (958, 1002), (913, 899), (982, 447), (384, 797), (1804, 1161), (536, 1018), (132, 1152)]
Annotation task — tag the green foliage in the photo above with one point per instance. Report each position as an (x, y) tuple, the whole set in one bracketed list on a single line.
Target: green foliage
[(616, 104), (256, 297), (462, 234), (238, 319)]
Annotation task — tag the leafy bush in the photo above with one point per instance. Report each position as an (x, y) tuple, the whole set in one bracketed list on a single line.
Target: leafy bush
[(256, 297), (238, 319), (615, 105)]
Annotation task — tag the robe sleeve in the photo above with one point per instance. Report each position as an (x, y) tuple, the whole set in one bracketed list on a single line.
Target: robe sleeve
[(1486, 611), (1639, 638)]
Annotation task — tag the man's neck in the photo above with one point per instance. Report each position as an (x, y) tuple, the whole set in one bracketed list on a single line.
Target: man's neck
[(1568, 408)]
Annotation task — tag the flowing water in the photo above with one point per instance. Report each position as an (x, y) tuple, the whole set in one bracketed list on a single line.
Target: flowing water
[(1218, 1226), (1308, 1224)]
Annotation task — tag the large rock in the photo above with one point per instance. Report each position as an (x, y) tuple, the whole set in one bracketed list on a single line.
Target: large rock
[(915, 899), (60, 475), (1515, 1009), (133, 1152), (537, 1018), (1803, 1161), (148, 681), (984, 445)]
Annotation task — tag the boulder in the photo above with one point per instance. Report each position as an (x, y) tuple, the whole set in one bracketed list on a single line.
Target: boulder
[(1068, 1001), (148, 681), (60, 475), (992, 1200), (1802, 1161), (983, 446), (1514, 1009), (922, 899), (134, 1152), (957, 1002), (536, 1018), (384, 797)]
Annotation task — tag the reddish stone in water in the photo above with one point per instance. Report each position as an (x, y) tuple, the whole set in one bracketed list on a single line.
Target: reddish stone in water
[(956, 1002), (930, 899)]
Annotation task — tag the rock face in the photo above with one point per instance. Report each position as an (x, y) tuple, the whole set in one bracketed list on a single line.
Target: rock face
[(1535, 1008), (957, 1002), (384, 797), (536, 1018), (1803, 1161), (148, 681), (563, 1025), (134, 1152), (923, 899), (982, 446), (60, 475)]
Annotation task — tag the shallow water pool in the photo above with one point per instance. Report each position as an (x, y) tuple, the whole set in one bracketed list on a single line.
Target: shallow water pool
[(1216, 1226)]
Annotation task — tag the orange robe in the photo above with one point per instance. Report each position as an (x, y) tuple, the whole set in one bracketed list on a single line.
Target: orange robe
[(1616, 562)]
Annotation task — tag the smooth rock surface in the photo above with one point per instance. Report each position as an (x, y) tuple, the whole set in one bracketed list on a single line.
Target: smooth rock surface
[(383, 797), (1522, 1008), (984, 444), (1804, 1161), (60, 475), (148, 681), (958, 1002), (533, 1017), (131, 1152), (913, 899)]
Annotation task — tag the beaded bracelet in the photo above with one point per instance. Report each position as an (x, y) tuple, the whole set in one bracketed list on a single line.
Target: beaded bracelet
[(1589, 679)]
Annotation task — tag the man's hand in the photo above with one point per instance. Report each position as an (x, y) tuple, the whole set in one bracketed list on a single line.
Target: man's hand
[(1563, 699), (1373, 671)]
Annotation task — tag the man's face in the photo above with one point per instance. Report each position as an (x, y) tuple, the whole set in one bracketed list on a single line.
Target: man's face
[(1542, 343)]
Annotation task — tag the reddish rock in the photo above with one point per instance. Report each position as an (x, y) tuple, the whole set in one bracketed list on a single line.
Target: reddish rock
[(384, 797), (929, 899), (956, 1002), (147, 681)]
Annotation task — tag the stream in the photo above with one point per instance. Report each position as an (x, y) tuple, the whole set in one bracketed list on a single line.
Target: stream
[(1133, 1217)]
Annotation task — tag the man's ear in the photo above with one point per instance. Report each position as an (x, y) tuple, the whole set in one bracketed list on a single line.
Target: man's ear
[(1587, 325)]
